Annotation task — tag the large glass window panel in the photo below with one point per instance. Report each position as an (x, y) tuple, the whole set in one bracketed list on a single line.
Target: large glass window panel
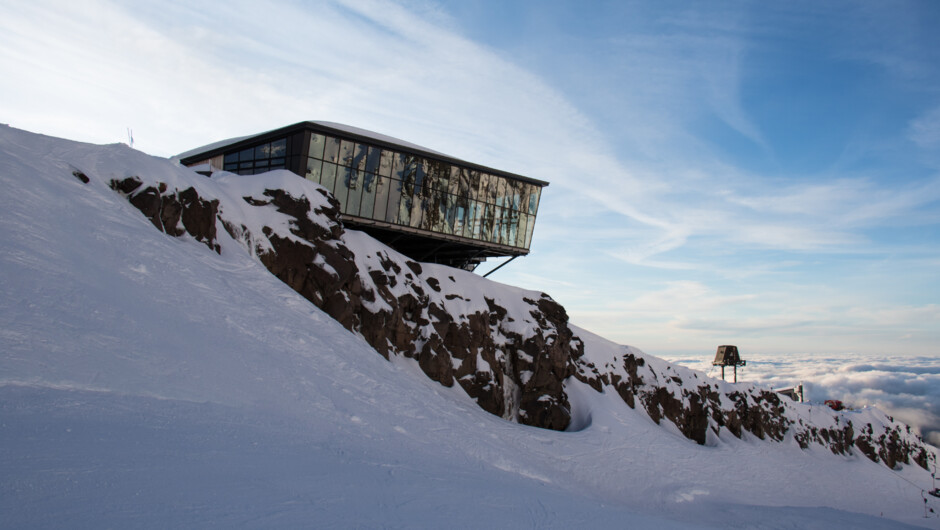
[(354, 185), (331, 150), (520, 232), (500, 197), (473, 184), (513, 226), (399, 166), (313, 170), (488, 222), (498, 224), (469, 229), (418, 208), (246, 155), (385, 164), (341, 189), (524, 189), (453, 184), (444, 176), (263, 151), (435, 212), (360, 156), (480, 222), (484, 183), (514, 193), (404, 208), (449, 204), (394, 201), (534, 200), (438, 175), (460, 215), (406, 169), (278, 148), (530, 226), (246, 165), (372, 160), (328, 176), (431, 177), (347, 152), (421, 169), (492, 189), (382, 185), (317, 141), (475, 219), (231, 167), (368, 195), (231, 158)]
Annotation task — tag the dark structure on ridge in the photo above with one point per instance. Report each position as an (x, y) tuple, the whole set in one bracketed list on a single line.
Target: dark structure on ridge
[(728, 356)]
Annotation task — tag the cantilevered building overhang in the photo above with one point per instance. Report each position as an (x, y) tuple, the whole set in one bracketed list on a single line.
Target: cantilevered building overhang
[(427, 205)]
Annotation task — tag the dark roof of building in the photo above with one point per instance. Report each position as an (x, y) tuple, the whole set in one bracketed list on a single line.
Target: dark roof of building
[(346, 131)]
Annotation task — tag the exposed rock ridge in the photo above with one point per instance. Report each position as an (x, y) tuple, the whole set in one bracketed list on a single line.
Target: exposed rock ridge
[(705, 409), (510, 350), (513, 366)]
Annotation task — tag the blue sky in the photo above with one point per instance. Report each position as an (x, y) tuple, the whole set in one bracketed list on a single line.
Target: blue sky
[(754, 173)]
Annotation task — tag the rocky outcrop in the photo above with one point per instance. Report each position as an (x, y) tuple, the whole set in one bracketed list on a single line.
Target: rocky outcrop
[(173, 212), (512, 351), (514, 371), (704, 410)]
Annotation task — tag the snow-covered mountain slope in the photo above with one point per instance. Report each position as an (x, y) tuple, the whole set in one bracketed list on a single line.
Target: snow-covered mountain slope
[(147, 380), (512, 351)]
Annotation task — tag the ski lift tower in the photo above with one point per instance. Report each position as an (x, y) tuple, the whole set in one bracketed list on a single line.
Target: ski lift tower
[(728, 356)]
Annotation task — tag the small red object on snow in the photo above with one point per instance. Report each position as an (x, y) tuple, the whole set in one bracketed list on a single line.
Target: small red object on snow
[(834, 404)]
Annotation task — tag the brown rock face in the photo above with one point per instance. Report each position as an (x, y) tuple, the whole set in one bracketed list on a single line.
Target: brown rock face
[(518, 377), (174, 213), (514, 365)]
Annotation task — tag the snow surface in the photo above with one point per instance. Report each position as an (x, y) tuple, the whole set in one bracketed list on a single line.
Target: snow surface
[(147, 381)]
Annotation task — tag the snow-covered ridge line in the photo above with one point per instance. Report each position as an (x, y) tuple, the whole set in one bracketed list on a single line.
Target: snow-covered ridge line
[(509, 349)]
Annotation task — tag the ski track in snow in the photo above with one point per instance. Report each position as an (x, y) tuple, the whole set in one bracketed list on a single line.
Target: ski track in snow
[(147, 381)]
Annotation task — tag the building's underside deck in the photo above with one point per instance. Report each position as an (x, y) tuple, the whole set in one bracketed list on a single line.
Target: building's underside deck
[(419, 247)]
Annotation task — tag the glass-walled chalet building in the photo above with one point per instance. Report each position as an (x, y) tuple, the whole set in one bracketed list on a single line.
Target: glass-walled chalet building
[(427, 205)]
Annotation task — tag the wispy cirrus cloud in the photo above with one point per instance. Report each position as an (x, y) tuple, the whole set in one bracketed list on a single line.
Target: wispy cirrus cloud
[(925, 129)]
